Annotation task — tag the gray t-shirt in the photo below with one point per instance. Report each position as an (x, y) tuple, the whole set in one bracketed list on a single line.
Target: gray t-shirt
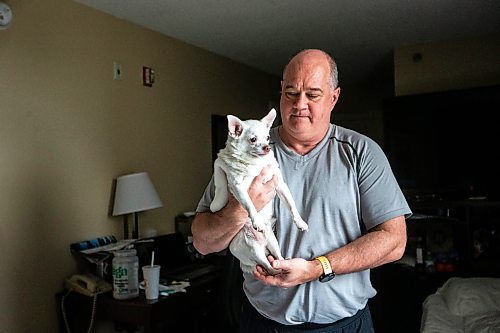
[(342, 188)]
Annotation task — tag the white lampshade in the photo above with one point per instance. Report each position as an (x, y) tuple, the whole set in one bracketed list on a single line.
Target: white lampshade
[(135, 193)]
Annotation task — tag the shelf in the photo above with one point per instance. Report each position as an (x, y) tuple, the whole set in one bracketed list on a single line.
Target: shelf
[(473, 227)]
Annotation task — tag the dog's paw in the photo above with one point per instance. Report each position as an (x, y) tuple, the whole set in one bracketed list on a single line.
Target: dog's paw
[(248, 269), (273, 271), (301, 224)]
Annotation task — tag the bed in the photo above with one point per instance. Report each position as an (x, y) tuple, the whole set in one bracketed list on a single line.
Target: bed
[(463, 305)]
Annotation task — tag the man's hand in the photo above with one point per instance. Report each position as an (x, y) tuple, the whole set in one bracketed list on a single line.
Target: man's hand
[(293, 272), (262, 191)]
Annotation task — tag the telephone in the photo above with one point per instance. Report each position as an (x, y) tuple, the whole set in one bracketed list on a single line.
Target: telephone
[(87, 284)]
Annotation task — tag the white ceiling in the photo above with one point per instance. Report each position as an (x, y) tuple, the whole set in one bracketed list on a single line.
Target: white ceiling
[(360, 34)]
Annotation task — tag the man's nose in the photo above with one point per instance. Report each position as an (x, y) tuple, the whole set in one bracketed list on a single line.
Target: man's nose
[(301, 101)]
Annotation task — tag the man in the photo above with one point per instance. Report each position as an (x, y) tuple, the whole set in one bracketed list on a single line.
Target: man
[(345, 191)]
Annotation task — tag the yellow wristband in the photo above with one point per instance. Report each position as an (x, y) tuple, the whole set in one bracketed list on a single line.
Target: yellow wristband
[(327, 268)]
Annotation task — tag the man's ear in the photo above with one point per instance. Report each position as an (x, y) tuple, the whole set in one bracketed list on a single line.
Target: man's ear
[(235, 126), (335, 96), (268, 120)]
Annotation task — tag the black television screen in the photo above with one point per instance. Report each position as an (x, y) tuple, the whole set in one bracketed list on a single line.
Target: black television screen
[(445, 143)]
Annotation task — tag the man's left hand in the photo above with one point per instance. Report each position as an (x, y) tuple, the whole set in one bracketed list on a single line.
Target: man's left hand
[(293, 272)]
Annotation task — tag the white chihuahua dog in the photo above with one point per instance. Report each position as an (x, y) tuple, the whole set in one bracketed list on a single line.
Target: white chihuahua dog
[(246, 153)]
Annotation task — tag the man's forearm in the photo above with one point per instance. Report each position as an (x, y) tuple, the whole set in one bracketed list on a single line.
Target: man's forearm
[(384, 244), (212, 232)]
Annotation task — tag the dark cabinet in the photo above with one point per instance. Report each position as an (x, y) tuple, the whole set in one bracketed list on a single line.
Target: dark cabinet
[(444, 143)]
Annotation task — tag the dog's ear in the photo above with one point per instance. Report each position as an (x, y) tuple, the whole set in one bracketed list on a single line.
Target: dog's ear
[(235, 126), (268, 120)]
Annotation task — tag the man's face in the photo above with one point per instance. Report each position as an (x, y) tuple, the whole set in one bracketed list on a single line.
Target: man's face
[(306, 97)]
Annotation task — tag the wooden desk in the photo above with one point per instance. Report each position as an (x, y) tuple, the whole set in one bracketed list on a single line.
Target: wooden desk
[(190, 310)]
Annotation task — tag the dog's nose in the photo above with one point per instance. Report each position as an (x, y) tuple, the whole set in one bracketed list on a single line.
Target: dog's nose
[(267, 149)]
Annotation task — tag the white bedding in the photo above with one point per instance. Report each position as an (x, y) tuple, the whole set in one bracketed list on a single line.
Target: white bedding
[(463, 305)]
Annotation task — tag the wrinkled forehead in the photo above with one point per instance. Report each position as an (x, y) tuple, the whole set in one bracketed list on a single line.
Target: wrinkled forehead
[(306, 74)]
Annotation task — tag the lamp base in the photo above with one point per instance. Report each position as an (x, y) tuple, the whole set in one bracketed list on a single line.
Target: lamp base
[(125, 226), (135, 233)]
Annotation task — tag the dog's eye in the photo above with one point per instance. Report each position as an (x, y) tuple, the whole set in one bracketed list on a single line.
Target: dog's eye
[(253, 139), (268, 138)]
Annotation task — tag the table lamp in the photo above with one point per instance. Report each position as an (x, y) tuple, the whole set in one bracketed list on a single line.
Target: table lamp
[(134, 193)]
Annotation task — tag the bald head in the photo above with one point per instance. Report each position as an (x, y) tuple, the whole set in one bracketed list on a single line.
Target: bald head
[(314, 55)]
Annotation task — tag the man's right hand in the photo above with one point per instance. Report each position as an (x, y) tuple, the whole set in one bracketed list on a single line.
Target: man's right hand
[(262, 191)]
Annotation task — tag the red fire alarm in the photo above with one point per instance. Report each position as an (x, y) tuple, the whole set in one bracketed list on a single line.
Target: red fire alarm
[(148, 76)]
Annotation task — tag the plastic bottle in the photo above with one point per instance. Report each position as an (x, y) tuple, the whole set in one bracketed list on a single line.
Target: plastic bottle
[(429, 262), (419, 255), (125, 274)]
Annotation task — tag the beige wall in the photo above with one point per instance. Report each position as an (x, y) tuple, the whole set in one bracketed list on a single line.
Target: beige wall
[(67, 129), (447, 65)]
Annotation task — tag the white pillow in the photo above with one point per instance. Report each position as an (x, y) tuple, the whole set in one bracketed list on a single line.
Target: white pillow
[(471, 296)]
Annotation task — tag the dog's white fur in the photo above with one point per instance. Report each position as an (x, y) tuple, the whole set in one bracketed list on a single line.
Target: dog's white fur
[(246, 153)]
